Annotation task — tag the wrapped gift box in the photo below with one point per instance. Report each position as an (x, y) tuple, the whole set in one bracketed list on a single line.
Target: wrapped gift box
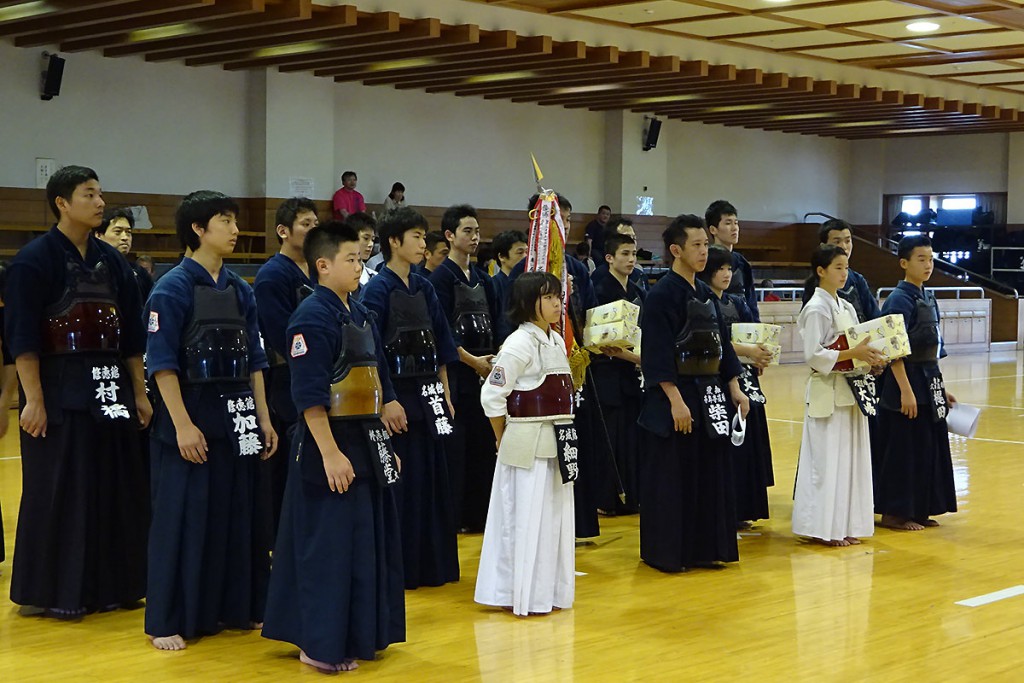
[(619, 334), (616, 311), (888, 336), (756, 333)]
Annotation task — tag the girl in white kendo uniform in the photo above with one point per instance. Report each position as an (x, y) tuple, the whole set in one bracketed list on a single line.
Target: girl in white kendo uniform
[(527, 562)]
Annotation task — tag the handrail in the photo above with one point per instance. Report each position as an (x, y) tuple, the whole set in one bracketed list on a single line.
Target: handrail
[(819, 213), (893, 247), (958, 290), (796, 292)]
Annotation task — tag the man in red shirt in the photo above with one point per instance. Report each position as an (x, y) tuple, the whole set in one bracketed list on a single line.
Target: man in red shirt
[(346, 200)]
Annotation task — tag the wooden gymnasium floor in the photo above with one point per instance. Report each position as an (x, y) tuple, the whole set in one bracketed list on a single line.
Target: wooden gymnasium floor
[(788, 611)]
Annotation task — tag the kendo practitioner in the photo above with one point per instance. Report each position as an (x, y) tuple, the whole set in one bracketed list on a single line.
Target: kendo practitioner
[(857, 291), (336, 588), (74, 328), (8, 386), (594, 448), (419, 348), (466, 296), (752, 460), (616, 376), (692, 380), (280, 284), (915, 481), (620, 225), (509, 249), (208, 560), (116, 230), (723, 223)]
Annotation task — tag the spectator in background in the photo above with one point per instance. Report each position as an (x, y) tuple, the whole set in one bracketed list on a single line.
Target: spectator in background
[(583, 254), (435, 253), (145, 261), (347, 200), (395, 199), (116, 230), (768, 294), (366, 226), (594, 233)]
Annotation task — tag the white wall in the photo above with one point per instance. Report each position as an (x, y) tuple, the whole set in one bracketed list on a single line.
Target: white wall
[(144, 127), (448, 149), (768, 176), (946, 164)]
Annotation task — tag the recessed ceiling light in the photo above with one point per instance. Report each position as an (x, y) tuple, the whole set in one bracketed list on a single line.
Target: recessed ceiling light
[(922, 26)]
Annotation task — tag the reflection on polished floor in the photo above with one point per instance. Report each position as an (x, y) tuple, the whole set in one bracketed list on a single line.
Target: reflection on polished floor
[(788, 611)]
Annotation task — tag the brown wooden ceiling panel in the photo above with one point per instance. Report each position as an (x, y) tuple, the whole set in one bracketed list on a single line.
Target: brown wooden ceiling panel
[(974, 45)]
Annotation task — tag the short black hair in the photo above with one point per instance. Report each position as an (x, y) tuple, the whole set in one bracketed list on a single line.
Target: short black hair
[(289, 210), (63, 184), (434, 238), (362, 221), (396, 224), (613, 243), (603, 207), (583, 249), (503, 241), (719, 208), (348, 174), (397, 187), (909, 244), (718, 256), (112, 214), (563, 202), (675, 233), (527, 289), (453, 215), (837, 224), (198, 208), (325, 240), (144, 258), (822, 257)]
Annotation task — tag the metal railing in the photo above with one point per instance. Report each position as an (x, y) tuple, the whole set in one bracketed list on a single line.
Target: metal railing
[(980, 291), (956, 271), (785, 293)]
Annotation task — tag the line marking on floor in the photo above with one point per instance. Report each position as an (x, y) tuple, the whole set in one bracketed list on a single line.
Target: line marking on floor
[(12, 457), (985, 599), (979, 379), (978, 438)]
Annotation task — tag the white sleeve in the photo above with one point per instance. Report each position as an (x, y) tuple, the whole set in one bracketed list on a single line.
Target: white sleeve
[(816, 331), (509, 364)]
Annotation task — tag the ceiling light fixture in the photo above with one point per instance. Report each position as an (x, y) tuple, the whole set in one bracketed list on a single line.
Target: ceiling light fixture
[(664, 99), (161, 32), (411, 63), (286, 50), (498, 78), (922, 26), (25, 10), (737, 107), (583, 89)]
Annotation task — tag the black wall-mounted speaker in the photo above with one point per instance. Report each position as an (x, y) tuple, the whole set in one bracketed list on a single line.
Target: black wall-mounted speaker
[(651, 136), (52, 77)]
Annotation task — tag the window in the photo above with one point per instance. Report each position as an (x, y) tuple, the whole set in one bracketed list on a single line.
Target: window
[(911, 206), (958, 203)]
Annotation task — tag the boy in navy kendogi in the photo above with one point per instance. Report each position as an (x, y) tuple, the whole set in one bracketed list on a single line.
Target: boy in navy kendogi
[(616, 376), (74, 329), (723, 223), (466, 295), (752, 460), (281, 283), (418, 346), (208, 563), (692, 382), (915, 481), (336, 588), (435, 253), (509, 249), (620, 225)]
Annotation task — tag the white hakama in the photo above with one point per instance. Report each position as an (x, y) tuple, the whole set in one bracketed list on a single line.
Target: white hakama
[(833, 497), (527, 561)]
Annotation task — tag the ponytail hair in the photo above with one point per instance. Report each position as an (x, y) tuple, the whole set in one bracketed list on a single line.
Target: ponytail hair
[(822, 257)]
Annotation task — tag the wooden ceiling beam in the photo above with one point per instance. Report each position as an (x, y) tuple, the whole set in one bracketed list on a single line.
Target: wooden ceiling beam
[(365, 30), (225, 29), (90, 12)]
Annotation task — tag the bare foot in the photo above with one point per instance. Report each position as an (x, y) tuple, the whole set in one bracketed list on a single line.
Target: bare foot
[(348, 665), (852, 541), (323, 667), (899, 523), (837, 543), (174, 642), (927, 522)]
